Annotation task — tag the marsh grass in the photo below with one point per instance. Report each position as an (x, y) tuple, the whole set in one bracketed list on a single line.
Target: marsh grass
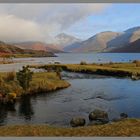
[(10, 76), (46, 81), (42, 82), (108, 69)]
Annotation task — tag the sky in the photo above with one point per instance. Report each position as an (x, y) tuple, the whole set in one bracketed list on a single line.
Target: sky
[(41, 22)]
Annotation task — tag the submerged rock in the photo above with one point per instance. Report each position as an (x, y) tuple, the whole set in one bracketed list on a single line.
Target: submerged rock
[(123, 115), (99, 115), (75, 122), (135, 76)]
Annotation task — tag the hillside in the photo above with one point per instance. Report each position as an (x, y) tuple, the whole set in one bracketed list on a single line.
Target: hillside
[(14, 50), (36, 45), (6, 48), (133, 47), (63, 40), (96, 43), (125, 38)]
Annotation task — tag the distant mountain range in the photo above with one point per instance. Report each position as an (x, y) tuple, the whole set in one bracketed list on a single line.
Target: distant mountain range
[(109, 42), (36, 45), (96, 43), (127, 41), (13, 50)]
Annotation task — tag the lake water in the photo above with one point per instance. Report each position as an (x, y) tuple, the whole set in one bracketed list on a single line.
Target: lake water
[(58, 108), (73, 58)]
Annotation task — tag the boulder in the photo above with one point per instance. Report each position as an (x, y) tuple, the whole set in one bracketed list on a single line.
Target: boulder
[(99, 115), (75, 122)]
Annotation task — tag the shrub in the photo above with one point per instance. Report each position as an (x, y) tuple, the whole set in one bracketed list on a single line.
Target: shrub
[(110, 63), (58, 72), (24, 77), (137, 62), (83, 63)]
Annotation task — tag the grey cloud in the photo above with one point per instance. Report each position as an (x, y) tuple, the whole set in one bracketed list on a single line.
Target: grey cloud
[(41, 21)]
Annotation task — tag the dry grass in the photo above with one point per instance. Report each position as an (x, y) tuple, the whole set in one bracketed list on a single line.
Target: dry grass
[(41, 82), (109, 69), (129, 127), (46, 81)]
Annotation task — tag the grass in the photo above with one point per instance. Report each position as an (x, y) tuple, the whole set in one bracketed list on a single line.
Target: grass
[(42, 82), (128, 127), (46, 81), (108, 69)]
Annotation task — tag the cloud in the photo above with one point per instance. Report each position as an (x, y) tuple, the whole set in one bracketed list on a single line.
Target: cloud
[(21, 22), (16, 29)]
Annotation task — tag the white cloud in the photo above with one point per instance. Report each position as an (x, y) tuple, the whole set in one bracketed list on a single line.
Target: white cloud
[(16, 29), (21, 22)]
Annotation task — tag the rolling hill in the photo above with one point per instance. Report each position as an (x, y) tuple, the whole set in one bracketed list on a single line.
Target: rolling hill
[(125, 38), (36, 45), (96, 43), (133, 47), (14, 50)]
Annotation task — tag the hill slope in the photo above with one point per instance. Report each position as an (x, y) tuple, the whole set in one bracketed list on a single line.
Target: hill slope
[(64, 40), (14, 50), (35, 45), (124, 39), (96, 43), (6, 48), (133, 47)]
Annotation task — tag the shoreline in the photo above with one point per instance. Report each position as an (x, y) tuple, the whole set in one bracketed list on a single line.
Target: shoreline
[(127, 127), (130, 70), (42, 82)]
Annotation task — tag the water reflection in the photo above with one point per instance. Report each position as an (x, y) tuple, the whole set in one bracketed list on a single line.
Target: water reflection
[(86, 93), (4, 110), (25, 108)]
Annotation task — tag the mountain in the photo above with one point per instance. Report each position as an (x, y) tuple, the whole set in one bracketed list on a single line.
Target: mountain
[(64, 40), (10, 49), (125, 38), (96, 43), (133, 47), (36, 45), (14, 50)]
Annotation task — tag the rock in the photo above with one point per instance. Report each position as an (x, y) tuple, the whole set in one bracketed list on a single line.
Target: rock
[(135, 76), (75, 122), (100, 97), (123, 115), (99, 115)]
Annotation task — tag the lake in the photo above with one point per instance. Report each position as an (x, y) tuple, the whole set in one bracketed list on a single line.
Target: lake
[(86, 93), (57, 108), (73, 58)]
